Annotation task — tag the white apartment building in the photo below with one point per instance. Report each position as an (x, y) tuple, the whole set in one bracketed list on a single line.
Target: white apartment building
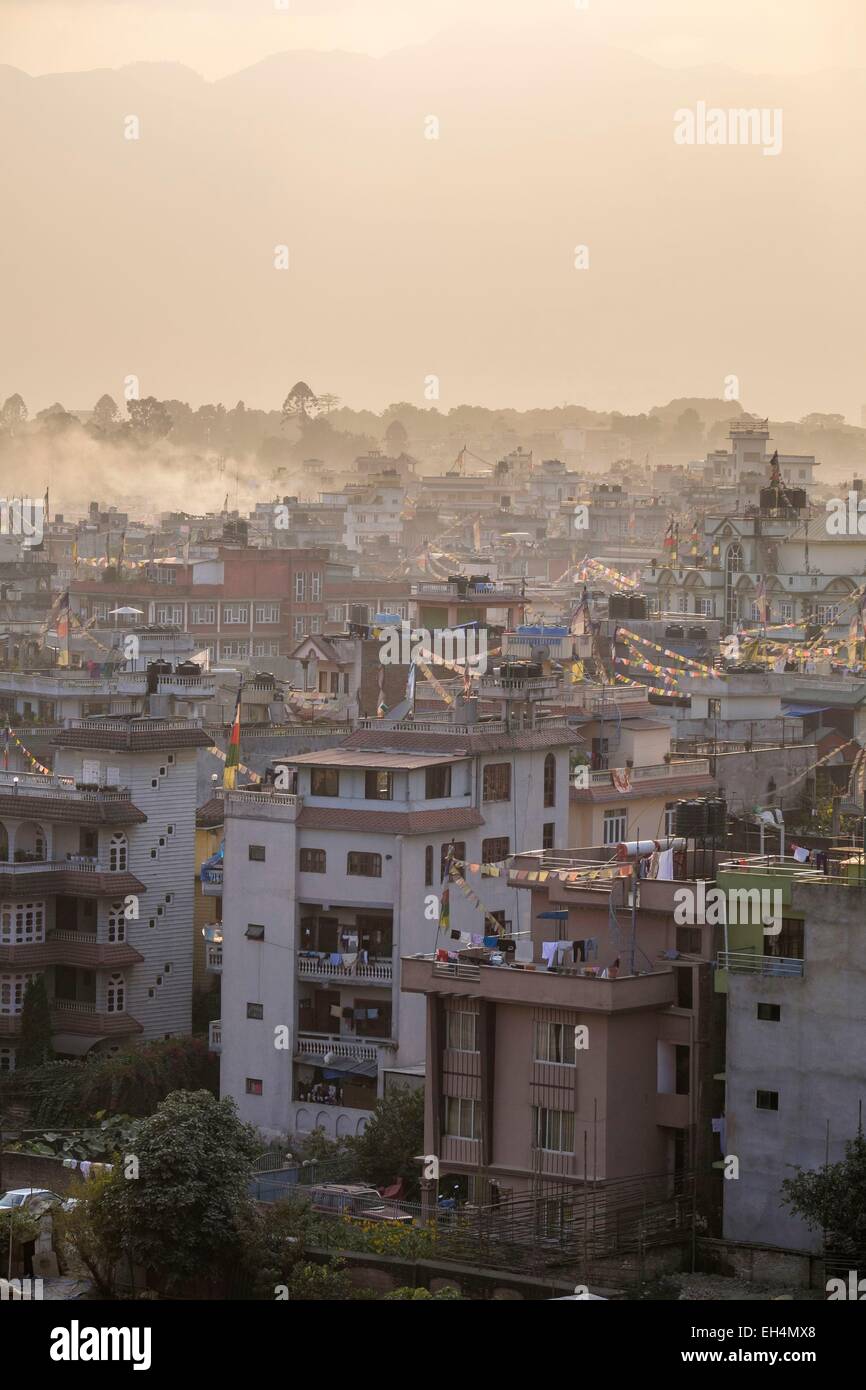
[(326, 887), (95, 884), (374, 512)]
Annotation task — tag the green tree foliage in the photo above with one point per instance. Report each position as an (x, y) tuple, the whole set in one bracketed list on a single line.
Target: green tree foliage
[(833, 1198), (132, 1082), (388, 1148), (148, 419), (179, 1217), (449, 1293), (35, 1047)]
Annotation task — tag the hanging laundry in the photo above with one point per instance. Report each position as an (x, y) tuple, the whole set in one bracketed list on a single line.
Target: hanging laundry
[(666, 864)]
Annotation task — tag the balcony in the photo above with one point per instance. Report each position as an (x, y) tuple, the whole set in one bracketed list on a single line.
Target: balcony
[(211, 882), (672, 1111), (78, 876), (77, 948), (376, 972), (215, 1036), (750, 963), (213, 960), (540, 987), (660, 778), (80, 1016), (320, 1046)]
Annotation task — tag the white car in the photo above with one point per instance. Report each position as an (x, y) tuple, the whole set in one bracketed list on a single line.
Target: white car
[(33, 1199)]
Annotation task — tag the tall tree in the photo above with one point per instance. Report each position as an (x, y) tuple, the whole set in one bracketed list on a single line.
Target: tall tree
[(833, 1198), (35, 1046), (301, 403), (105, 413), (389, 1146), (149, 418), (180, 1217), (13, 414)]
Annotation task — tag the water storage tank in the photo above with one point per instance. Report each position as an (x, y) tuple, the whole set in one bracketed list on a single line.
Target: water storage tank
[(618, 606), (690, 819), (717, 817), (637, 606)]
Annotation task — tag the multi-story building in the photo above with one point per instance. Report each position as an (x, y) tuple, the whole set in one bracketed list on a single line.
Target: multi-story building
[(96, 891), (588, 1061), (795, 1026), (246, 605), (326, 887)]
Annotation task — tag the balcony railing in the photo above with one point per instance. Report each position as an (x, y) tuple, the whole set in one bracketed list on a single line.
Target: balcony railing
[(214, 959), (78, 863), (215, 1035), (321, 1045), (750, 963), (73, 1006), (374, 973)]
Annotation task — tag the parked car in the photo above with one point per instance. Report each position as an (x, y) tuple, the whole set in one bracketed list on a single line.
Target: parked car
[(32, 1199), (357, 1203)]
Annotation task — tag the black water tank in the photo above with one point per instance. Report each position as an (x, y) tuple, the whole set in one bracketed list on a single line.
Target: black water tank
[(637, 606), (618, 606), (188, 668), (717, 817), (797, 498)]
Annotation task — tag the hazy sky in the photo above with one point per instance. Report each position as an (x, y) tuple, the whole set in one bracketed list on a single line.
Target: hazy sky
[(218, 36), (408, 257)]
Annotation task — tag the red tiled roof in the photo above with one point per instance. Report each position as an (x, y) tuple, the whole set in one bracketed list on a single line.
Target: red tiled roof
[(78, 882), (83, 810), (389, 822)]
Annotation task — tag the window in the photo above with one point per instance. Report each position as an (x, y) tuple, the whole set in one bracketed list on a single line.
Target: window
[(437, 782), (789, 942), (266, 649), (493, 851), (766, 1100), (22, 923), (170, 614), (363, 865), (313, 861), (267, 613), (714, 709), (254, 1086), (12, 990), (548, 834), (115, 994), (689, 940), (118, 852), (785, 612), (614, 826), (685, 991), (826, 612), (553, 1129), (704, 606), (324, 781), (428, 866), (256, 853), (462, 1120), (255, 1010), (316, 623), (458, 856), (315, 586), (300, 587), (461, 1031), (255, 932), (550, 780), (116, 922), (554, 1042), (681, 1070), (240, 649), (235, 613), (770, 1013), (202, 614), (378, 785), (299, 627), (670, 817), (496, 782)]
